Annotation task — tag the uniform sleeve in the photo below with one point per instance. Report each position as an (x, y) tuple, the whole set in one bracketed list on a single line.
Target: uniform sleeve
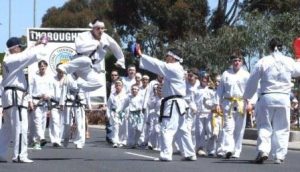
[(153, 65), (252, 83), (64, 91), (220, 91), (208, 99), (117, 51), (29, 56), (88, 100), (31, 85), (108, 107), (296, 67), (125, 104)]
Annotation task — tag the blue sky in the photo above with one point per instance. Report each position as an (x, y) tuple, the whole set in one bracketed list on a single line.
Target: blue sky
[(22, 16)]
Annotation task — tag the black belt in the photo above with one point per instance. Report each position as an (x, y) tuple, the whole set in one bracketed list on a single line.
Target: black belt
[(14, 97), (136, 112), (162, 107), (74, 103), (90, 55), (14, 89), (273, 93)]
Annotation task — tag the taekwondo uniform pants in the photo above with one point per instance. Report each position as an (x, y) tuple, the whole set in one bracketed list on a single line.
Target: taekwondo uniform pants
[(82, 66), (175, 124), (117, 121), (55, 126), (273, 124), (154, 130), (40, 120), (233, 130), (203, 132), (14, 128), (135, 128), (79, 139)]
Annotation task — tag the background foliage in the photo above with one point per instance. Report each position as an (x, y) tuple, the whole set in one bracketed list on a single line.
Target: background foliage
[(205, 36)]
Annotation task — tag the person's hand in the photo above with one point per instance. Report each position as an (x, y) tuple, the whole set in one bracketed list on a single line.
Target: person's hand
[(43, 40), (45, 97), (138, 50), (118, 65), (218, 109), (61, 107), (30, 106), (249, 107)]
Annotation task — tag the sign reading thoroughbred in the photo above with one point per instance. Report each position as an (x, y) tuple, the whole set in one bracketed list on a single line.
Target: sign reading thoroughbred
[(54, 35)]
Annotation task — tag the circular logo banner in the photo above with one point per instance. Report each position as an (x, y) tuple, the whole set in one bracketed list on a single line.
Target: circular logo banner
[(60, 55)]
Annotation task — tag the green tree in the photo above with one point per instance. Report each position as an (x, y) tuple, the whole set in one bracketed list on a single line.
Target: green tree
[(271, 7)]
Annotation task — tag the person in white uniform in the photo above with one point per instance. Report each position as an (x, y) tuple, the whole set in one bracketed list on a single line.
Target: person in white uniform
[(144, 93), (14, 102), (229, 97), (129, 80), (192, 84), (91, 48), (173, 106), (116, 115), (203, 99), (154, 125), (134, 105), (41, 90), (57, 118), (73, 102), (273, 73)]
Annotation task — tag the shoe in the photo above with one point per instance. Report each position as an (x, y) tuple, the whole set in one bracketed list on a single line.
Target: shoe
[(278, 161), (261, 157), (56, 145), (78, 146), (109, 141), (65, 143), (37, 146), (115, 145), (235, 157), (3, 160), (190, 158), (228, 155), (26, 160), (162, 159), (43, 142), (219, 155), (201, 152), (211, 155), (150, 147), (87, 135)]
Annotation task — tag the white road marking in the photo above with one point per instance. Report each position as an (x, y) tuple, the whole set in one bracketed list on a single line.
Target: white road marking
[(144, 156)]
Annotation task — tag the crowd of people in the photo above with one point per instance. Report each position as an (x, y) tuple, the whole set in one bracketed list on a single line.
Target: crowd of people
[(187, 111)]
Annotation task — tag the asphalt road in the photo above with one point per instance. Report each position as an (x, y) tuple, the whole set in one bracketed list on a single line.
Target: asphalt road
[(98, 156)]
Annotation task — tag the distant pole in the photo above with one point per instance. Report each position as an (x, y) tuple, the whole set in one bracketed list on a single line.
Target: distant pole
[(9, 19), (34, 12)]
